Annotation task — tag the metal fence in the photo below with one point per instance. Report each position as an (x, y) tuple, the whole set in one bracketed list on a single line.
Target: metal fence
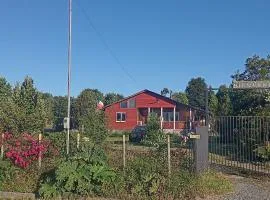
[(240, 142)]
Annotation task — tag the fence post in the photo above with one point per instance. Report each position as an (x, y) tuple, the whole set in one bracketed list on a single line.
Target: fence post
[(78, 140), (201, 149), (2, 146), (169, 154), (124, 150), (39, 153)]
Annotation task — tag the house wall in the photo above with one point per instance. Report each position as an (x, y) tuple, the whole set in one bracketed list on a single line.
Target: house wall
[(143, 100)]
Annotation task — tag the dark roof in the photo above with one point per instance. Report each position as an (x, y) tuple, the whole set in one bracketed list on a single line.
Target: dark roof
[(156, 94)]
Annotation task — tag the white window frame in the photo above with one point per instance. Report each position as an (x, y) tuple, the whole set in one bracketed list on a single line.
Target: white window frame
[(171, 115), (121, 116)]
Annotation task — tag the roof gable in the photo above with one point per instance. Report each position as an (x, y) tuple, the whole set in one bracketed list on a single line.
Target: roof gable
[(169, 100)]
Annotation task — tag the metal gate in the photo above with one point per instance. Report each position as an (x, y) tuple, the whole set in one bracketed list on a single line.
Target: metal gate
[(240, 142)]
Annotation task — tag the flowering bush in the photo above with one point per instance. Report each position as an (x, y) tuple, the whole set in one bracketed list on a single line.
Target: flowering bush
[(24, 149)]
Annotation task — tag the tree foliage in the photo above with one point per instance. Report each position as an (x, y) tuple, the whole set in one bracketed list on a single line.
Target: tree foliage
[(165, 92), (224, 106), (195, 91), (22, 109), (59, 108), (180, 97), (212, 102), (112, 97), (252, 102), (87, 114)]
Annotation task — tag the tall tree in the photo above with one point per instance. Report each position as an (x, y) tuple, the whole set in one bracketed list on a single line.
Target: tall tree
[(48, 101), (5, 89), (195, 91), (251, 102), (30, 113), (180, 97), (165, 92), (87, 102), (212, 102), (224, 107), (112, 97), (7, 107), (88, 115)]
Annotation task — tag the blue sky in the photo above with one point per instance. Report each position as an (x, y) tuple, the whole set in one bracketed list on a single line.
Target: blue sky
[(160, 43)]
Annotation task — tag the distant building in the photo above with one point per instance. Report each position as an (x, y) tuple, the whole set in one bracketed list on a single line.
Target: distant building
[(134, 110)]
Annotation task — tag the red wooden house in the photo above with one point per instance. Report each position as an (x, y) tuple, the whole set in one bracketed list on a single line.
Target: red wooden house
[(135, 109)]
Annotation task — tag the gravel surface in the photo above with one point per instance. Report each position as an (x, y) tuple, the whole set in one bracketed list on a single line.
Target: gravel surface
[(246, 189)]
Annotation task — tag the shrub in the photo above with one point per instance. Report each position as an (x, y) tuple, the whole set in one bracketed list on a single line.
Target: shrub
[(153, 123), (6, 171), (263, 152), (24, 149), (82, 174), (144, 177), (181, 185), (58, 140), (154, 136)]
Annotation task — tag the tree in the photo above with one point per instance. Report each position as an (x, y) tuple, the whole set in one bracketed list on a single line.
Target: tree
[(5, 89), (59, 110), (112, 97), (251, 102), (48, 101), (87, 102), (180, 97), (165, 91), (26, 109), (212, 102), (195, 91), (6, 106), (87, 114), (224, 107)]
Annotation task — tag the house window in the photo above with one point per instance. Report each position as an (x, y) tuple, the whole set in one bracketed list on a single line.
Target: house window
[(132, 103), (120, 117), (123, 104), (168, 116)]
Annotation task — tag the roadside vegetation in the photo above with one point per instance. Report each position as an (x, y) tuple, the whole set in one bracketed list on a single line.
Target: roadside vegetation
[(95, 169)]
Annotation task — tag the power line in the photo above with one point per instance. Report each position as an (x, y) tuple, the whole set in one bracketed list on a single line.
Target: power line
[(105, 43)]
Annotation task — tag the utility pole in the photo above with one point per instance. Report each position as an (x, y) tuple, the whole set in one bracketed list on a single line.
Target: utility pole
[(69, 70), (206, 106)]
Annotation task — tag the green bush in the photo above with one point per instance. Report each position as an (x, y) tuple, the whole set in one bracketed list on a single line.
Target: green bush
[(144, 177), (58, 140), (7, 170), (263, 152), (181, 185), (154, 136), (82, 174)]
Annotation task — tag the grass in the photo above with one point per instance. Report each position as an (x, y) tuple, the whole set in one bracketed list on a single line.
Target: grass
[(213, 183)]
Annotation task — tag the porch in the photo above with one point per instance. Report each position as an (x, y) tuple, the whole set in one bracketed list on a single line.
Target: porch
[(171, 119)]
